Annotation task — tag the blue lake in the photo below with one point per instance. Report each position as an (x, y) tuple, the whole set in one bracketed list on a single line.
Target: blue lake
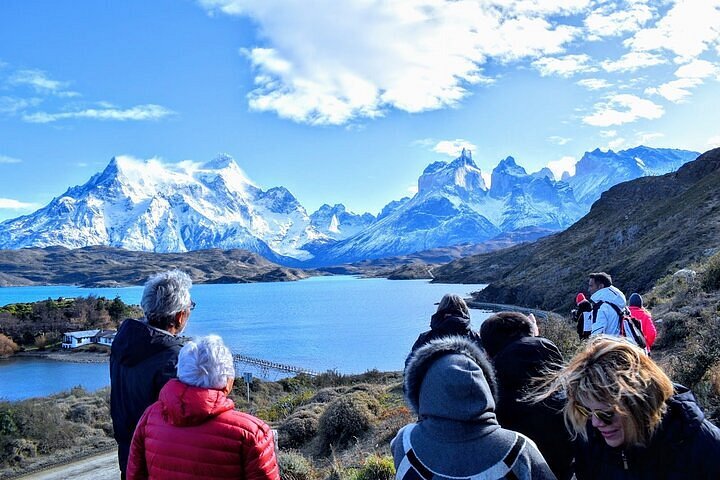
[(343, 323)]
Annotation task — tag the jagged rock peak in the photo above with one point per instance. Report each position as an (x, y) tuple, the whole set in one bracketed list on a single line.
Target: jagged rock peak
[(220, 162)]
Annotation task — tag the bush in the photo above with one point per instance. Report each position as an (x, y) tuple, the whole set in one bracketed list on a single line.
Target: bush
[(711, 276), (300, 427), (376, 468), (7, 346), (283, 407), (294, 466), (346, 418)]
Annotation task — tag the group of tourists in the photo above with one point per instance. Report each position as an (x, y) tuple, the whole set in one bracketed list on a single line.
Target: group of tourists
[(491, 404)]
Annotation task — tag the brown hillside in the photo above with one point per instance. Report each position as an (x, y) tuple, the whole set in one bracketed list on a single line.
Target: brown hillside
[(638, 231)]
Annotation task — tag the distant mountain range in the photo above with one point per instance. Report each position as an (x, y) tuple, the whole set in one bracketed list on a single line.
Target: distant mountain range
[(148, 206), (639, 231)]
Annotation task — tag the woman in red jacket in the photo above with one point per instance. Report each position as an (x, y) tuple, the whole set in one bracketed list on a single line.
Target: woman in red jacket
[(193, 432), (638, 311)]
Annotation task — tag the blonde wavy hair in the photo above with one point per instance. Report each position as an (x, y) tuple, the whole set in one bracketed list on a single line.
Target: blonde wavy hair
[(619, 374)]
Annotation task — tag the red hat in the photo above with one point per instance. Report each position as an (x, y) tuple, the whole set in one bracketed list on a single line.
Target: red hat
[(579, 299)]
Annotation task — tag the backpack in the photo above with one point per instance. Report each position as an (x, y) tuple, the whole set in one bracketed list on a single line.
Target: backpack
[(630, 327)]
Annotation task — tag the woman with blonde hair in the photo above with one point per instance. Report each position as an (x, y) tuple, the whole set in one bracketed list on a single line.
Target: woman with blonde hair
[(630, 421)]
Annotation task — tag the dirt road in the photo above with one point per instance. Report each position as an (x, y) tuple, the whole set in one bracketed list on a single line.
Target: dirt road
[(98, 467)]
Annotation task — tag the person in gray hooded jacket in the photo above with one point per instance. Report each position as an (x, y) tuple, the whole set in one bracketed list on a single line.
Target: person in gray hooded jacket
[(450, 384)]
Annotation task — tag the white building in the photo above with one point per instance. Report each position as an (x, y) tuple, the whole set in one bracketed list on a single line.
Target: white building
[(78, 339), (105, 337)]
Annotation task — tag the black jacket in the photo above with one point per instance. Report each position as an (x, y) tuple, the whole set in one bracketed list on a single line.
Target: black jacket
[(516, 363), (445, 324), (142, 360), (685, 446)]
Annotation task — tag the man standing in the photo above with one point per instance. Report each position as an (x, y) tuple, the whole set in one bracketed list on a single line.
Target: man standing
[(520, 355), (144, 354), (603, 295)]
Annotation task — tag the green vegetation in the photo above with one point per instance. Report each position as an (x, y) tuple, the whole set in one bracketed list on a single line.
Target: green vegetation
[(41, 324)]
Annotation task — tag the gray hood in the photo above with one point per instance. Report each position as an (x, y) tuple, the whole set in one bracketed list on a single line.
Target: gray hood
[(451, 378), (609, 294)]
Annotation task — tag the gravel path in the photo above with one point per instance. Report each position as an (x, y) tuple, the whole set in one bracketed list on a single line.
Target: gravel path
[(98, 467)]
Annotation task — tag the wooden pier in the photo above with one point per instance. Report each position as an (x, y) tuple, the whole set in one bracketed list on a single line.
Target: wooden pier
[(268, 365)]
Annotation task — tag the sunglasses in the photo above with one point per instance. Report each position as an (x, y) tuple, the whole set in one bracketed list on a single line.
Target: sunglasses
[(602, 415), (192, 305)]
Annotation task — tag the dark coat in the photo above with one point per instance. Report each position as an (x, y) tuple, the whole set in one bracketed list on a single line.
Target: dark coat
[(445, 324), (515, 364), (142, 360), (686, 445)]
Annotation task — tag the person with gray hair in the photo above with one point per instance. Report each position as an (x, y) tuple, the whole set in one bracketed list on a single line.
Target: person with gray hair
[(144, 353), (451, 318), (193, 430)]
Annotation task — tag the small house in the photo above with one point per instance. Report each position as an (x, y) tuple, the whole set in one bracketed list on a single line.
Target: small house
[(105, 337), (78, 339)]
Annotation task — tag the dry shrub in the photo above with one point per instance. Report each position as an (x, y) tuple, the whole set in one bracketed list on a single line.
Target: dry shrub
[(375, 468), (710, 279), (561, 332), (7, 346), (300, 427), (345, 418), (294, 466)]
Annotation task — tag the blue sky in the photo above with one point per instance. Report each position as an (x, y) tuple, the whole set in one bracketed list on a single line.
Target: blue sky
[(345, 102)]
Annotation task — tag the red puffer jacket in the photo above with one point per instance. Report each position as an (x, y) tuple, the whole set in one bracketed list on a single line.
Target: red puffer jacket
[(648, 327), (194, 433)]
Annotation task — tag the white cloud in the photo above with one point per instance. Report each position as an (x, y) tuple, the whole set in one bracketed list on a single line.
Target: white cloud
[(41, 83), (594, 83), (675, 91), (559, 140), (633, 61), (714, 142), (13, 105), (566, 66), (412, 189), (564, 164), (6, 159), (487, 177), (608, 133), (646, 138), (697, 69), (611, 20), (139, 112), (615, 144), (621, 109), (341, 60), (453, 148), (689, 28), (10, 204)]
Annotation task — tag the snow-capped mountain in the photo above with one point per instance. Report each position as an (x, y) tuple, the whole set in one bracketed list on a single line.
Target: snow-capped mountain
[(454, 205), (597, 171), (149, 206), (337, 223)]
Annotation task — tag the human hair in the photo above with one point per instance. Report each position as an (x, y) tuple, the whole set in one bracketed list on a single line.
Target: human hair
[(602, 278), (452, 303), (166, 294), (615, 372), (205, 362), (502, 327)]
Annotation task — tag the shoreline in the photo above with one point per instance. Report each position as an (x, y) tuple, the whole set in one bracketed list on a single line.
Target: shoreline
[(70, 357)]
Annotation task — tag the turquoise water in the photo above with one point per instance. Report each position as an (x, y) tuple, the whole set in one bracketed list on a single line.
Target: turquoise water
[(344, 323)]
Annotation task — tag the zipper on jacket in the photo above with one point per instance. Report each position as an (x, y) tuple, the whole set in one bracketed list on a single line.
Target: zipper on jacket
[(624, 459)]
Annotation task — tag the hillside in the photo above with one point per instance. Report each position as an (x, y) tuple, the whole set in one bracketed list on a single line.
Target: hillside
[(108, 266), (638, 231)]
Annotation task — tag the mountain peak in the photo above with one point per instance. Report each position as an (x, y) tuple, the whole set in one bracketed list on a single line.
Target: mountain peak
[(221, 162), (461, 173)]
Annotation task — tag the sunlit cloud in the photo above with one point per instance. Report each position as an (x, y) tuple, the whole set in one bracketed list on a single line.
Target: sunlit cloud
[(609, 133), (675, 91), (41, 83), (698, 69), (453, 148), (559, 140), (342, 60), (714, 142), (594, 83), (6, 159), (137, 113), (688, 29), (614, 19), (10, 204), (13, 105), (562, 165), (646, 138), (633, 61), (621, 109), (566, 66)]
